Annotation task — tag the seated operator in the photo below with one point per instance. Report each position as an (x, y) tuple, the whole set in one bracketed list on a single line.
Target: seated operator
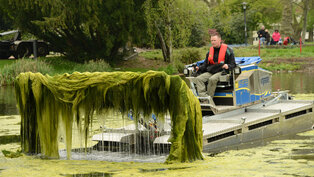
[(219, 57)]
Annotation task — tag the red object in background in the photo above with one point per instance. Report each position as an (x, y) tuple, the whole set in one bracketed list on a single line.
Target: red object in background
[(286, 41), (300, 45)]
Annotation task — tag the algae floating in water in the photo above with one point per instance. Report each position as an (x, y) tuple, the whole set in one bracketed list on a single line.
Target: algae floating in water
[(46, 101)]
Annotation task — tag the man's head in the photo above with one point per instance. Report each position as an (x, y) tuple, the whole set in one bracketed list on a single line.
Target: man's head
[(215, 40), (262, 27)]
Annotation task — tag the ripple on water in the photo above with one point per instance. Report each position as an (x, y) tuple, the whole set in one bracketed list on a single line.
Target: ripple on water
[(93, 174), (163, 169), (113, 156)]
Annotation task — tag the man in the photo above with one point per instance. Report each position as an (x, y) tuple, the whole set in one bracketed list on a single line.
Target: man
[(219, 57), (262, 35)]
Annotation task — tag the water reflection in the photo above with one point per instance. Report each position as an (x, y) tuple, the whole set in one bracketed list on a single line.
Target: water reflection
[(7, 101), (296, 82)]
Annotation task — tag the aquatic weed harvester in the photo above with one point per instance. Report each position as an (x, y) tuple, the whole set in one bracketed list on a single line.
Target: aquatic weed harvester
[(243, 111), (167, 115)]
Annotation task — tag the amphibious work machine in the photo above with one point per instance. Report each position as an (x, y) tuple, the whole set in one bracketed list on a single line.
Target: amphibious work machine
[(247, 84), (243, 111)]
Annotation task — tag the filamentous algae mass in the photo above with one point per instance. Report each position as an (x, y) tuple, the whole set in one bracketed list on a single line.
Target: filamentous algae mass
[(45, 101)]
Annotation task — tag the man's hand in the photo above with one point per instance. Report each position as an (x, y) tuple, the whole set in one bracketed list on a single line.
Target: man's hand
[(197, 68), (225, 66)]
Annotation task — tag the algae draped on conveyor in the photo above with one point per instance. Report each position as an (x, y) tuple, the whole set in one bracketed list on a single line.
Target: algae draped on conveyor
[(46, 101)]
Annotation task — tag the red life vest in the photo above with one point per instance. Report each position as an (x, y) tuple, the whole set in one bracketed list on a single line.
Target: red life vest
[(221, 56)]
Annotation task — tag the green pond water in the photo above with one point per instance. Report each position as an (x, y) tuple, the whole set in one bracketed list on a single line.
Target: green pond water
[(286, 156)]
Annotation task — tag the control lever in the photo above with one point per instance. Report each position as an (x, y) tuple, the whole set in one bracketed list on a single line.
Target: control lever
[(224, 72)]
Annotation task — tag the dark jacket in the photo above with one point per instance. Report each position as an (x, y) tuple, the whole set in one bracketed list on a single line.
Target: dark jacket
[(267, 37), (261, 32), (229, 59)]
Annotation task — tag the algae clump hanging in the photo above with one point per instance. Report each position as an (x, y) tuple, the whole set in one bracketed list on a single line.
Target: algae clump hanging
[(45, 101)]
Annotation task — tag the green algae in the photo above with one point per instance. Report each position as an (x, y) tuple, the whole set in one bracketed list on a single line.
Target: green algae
[(44, 102), (259, 161), (12, 154)]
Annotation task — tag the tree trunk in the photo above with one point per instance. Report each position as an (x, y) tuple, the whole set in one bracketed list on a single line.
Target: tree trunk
[(286, 23), (162, 42), (169, 52), (311, 34), (305, 10), (297, 29)]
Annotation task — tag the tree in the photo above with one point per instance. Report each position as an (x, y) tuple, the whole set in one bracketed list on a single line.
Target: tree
[(5, 21), (172, 22), (79, 29), (158, 15), (305, 12), (228, 17), (286, 22), (310, 22)]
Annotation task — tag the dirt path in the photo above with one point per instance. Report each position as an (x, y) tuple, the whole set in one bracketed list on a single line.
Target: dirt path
[(141, 62)]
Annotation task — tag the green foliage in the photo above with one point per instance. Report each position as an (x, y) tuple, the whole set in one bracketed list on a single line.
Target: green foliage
[(46, 102), (93, 66), (177, 63), (51, 66), (228, 17), (273, 52), (186, 19), (152, 54), (170, 69), (6, 62), (5, 21), (11, 154), (10, 72), (60, 65), (190, 55), (197, 37), (80, 30)]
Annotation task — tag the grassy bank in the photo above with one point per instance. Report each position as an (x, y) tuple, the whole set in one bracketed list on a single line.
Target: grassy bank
[(267, 53), (52, 66), (274, 59)]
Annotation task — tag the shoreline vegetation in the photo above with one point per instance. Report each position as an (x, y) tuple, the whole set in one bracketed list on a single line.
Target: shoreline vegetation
[(275, 59)]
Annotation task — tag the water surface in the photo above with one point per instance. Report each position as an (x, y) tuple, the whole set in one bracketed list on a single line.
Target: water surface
[(289, 156)]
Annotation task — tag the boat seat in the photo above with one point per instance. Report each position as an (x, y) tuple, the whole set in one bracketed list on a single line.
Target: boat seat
[(226, 78)]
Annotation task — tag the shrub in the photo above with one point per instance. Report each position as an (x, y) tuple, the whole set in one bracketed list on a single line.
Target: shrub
[(177, 63), (190, 55), (10, 72), (94, 66), (170, 69)]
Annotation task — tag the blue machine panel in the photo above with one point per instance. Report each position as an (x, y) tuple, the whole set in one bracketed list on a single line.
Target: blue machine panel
[(242, 96), (223, 94), (243, 83)]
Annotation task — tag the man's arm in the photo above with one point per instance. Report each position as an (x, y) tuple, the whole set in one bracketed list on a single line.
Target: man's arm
[(204, 65), (230, 60)]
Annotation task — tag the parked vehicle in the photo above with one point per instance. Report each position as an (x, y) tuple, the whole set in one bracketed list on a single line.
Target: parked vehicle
[(21, 48)]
